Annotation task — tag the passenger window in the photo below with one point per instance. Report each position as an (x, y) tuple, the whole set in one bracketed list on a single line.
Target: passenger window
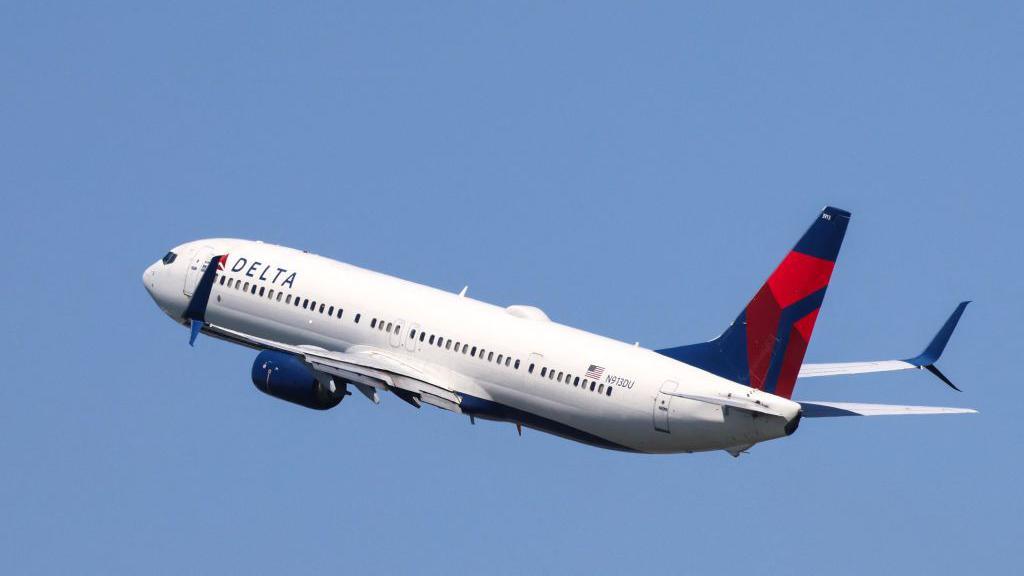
[(559, 377), (398, 328), (288, 299), (600, 389), (270, 293), (584, 384), (517, 364), (448, 344), (373, 323), (473, 353), (305, 303), (222, 278), (262, 290), (592, 386), (499, 358), (279, 294), (490, 356), (253, 288), (312, 306), (340, 311), (464, 348), (431, 340), (246, 287), (608, 391), (412, 333), (389, 327), (551, 375), (440, 341), (321, 308), (543, 372), (423, 336), (357, 318), (528, 370), (330, 311)]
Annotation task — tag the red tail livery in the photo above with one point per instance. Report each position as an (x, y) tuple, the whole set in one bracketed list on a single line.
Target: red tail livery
[(765, 346)]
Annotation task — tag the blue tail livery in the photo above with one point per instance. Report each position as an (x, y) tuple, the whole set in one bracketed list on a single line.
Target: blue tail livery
[(765, 345)]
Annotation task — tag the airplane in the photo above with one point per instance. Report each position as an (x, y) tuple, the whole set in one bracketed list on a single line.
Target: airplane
[(324, 328)]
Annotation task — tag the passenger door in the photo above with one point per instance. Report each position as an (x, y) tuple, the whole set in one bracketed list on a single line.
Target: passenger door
[(200, 260), (662, 405)]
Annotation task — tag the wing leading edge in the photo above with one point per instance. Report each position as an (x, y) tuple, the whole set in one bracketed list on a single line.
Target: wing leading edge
[(370, 369)]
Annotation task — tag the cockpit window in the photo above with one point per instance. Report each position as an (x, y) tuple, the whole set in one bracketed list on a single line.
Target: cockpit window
[(169, 257)]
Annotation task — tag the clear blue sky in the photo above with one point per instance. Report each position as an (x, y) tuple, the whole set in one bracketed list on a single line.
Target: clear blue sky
[(635, 170)]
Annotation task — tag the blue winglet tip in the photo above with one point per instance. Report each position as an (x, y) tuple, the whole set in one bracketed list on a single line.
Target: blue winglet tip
[(935, 348), (196, 327)]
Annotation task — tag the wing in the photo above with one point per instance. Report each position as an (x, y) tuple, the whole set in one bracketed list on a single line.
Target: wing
[(369, 369), (839, 368), (926, 359), (829, 409)]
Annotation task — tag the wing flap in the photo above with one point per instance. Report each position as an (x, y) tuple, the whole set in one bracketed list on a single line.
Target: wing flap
[(832, 409)]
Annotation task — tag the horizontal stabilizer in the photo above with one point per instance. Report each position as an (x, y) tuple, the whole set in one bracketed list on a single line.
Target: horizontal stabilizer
[(830, 409)]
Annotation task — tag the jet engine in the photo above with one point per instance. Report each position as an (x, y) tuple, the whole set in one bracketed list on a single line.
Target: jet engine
[(287, 377)]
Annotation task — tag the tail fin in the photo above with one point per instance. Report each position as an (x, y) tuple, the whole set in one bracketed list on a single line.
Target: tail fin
[(765, 346)]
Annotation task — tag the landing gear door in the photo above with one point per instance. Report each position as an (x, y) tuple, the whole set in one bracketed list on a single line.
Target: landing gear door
[(662, 405), (200, 260)]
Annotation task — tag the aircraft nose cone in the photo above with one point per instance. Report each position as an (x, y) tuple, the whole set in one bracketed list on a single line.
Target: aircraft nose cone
[(149, 277)]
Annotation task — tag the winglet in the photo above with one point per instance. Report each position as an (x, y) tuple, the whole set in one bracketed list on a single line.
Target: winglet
[(196, 327), (195, 312), (938, 344), (931, 354)]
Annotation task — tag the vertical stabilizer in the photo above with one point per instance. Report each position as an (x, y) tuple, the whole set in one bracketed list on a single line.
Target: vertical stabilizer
[(764, 347)]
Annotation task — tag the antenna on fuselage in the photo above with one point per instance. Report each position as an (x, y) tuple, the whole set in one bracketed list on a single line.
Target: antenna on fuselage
[(462, 294)]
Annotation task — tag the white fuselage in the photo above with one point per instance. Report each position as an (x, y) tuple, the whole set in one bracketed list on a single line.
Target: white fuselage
[(620, 406)]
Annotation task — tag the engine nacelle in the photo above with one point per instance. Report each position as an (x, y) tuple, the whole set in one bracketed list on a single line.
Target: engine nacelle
[(287, 377)]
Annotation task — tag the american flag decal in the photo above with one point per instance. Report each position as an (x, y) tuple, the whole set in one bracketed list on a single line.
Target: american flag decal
[(595, 372)]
